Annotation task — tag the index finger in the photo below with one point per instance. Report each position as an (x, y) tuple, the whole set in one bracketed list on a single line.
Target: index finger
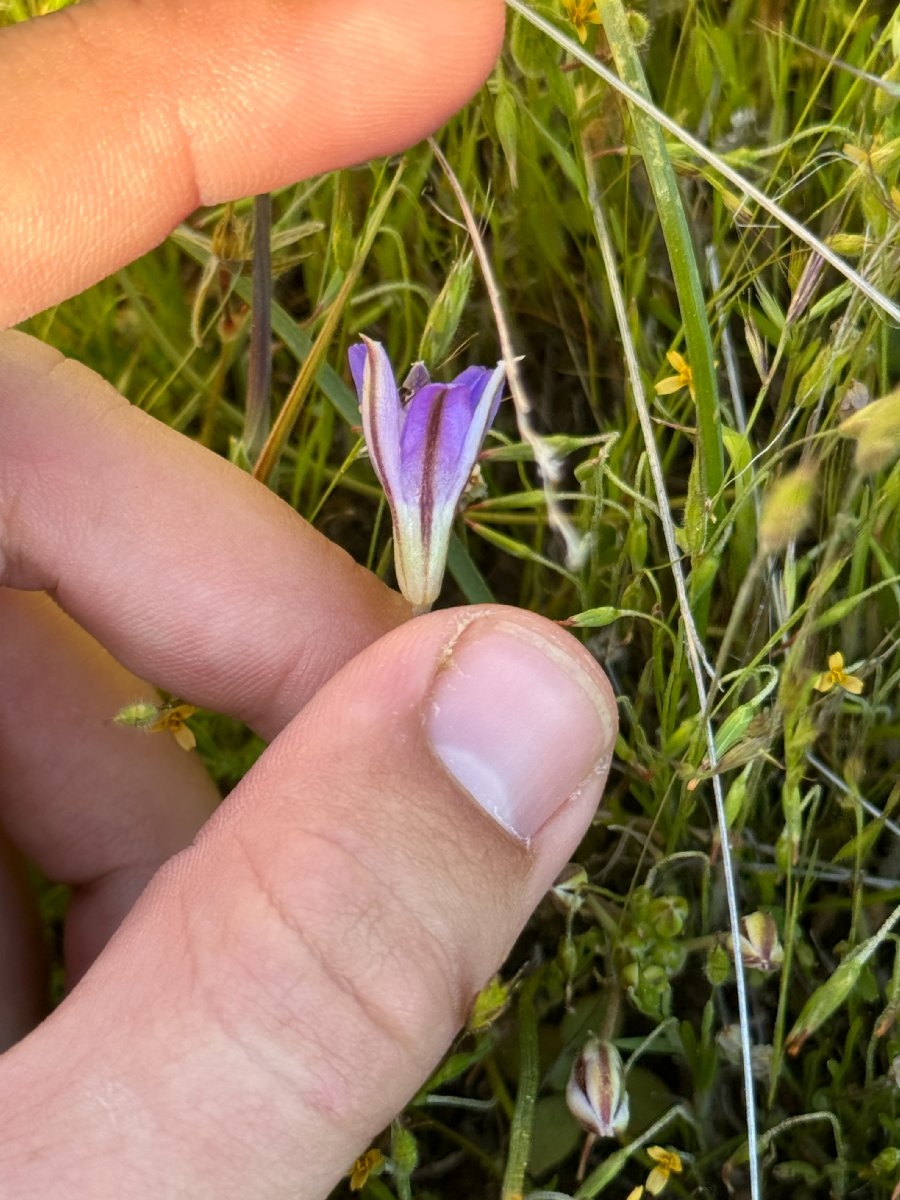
[(191, 573), (130, 115)]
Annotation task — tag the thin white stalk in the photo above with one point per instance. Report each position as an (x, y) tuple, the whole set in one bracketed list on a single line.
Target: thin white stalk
[(888, 307), (835, 780), (696, 656), (544, 456)]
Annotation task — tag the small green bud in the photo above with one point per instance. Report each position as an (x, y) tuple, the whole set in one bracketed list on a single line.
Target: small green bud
[(636, 541), (668, 915), (849, 245), (787, 509), (876, 431), (652, 994), (404, 1150), (638, 27), (490, 1004), (567, 956), (886, 1164), (566, 893), (670, 955), (446, 312), (718, 965)]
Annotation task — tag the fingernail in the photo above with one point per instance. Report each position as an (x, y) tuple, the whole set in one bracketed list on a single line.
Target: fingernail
[(519, 721)]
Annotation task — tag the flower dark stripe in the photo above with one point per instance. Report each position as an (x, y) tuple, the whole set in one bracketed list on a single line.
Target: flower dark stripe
[(375, 425), (431, 458)]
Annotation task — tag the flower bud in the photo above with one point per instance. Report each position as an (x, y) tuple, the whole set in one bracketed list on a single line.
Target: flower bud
[(718, 965), (876, 430), (761, 946), (446, 312), (787, 509), (490, 1004), (596, 1093), (825, 1000), (566, 894)]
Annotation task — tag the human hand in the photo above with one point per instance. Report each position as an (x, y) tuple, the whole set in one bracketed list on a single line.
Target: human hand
[(285, 982)]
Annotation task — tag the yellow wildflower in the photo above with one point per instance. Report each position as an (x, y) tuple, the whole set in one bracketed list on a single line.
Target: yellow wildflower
[(837, 675), (636, 1193), (168, 717), (370, 1163), (172, 720), (684, 378), (581, 13), (668, 1163)]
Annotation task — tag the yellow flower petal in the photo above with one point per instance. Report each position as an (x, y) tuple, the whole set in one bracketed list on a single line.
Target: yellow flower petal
[(836, 662), (184, 737), (824, 682), (367, 1164), (678, 362), (656, 1181), (852, 684), (674, 383), (669, 1160)]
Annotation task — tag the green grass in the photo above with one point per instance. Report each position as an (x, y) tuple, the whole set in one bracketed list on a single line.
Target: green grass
[(613, 243)]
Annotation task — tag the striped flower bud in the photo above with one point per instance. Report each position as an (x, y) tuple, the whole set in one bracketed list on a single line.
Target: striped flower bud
[(596, 1093)]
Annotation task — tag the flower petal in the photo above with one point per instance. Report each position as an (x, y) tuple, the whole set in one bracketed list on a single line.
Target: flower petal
[(853, 684), (486, 400), (382, 413), (443, 429), (836, 662), (357, 355)]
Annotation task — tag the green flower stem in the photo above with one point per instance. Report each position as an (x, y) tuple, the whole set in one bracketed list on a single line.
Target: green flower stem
[(259, 381), (685, 272), (523, 1119)]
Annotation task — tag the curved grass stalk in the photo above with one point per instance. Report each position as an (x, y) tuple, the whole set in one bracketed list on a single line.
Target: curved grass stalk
[(544, 455), (696, 657)]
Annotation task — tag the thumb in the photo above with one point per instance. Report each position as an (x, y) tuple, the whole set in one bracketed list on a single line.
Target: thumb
[(288, 982)]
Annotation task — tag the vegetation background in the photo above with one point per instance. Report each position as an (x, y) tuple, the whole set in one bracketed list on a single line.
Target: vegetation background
[(691, 363)]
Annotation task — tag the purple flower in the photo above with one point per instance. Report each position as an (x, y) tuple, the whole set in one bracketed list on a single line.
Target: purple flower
[(423, 446)]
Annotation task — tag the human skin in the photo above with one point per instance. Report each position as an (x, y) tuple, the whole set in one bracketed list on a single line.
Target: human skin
[(256, 992)]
